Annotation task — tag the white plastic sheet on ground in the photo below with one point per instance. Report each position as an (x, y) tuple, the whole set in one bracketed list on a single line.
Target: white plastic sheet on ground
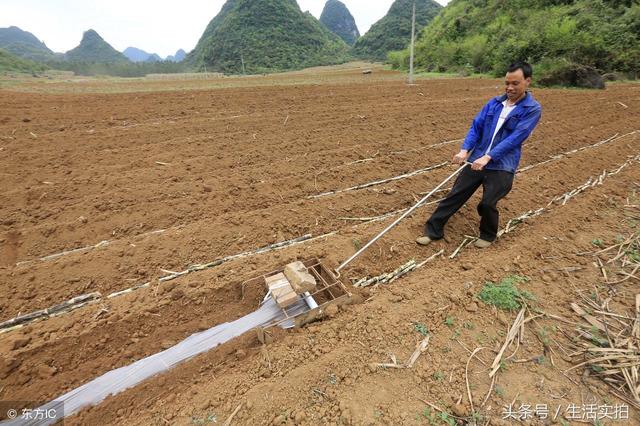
[(123, 378)]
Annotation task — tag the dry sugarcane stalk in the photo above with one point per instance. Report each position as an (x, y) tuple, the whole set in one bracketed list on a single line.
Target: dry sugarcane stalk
[(53, 310), (513, 332), (359, 219), (465, 242), (616, 360), (201, 267), (387, 277), (65, 253), (379, 182), (230, 419), (421, 347), (129, 290), (589, 318), (429, 259), (466, 378), (604, 271)]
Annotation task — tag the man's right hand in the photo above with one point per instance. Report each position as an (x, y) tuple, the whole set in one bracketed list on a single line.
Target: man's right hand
[(460, 157)]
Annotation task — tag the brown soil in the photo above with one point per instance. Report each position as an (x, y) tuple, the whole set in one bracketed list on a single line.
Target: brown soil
[(228, 170)]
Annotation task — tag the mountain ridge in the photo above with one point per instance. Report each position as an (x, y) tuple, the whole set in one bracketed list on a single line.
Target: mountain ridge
[(265, 36), (24, 44), (393, 31), (93, 48), (339, 20)]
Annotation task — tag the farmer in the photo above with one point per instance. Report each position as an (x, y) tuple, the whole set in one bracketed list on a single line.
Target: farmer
[(493, 147)]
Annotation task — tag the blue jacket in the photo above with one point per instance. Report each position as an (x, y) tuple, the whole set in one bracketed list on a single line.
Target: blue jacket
[(507, 147)]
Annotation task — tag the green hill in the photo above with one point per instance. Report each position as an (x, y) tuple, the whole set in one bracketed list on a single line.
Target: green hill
[(268, 35), (337, 18), (393, 32), (485, 36), (24, 44), (94, 49), (12, 63)]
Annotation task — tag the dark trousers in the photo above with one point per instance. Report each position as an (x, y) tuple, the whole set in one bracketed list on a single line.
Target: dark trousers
[(496, 184)]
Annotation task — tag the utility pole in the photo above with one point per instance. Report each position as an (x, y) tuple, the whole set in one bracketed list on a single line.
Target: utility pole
[(413, 41)]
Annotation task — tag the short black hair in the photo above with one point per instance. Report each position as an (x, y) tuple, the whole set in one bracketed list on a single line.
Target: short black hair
[(526, 68)]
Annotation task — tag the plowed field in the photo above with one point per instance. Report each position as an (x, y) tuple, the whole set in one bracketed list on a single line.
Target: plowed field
[(101, 192)]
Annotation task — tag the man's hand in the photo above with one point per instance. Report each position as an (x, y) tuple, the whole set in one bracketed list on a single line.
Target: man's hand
[(480, 163), (460, 157)]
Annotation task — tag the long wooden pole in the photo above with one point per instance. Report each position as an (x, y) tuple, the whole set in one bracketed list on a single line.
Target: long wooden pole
[(397, 221), (413, 41)]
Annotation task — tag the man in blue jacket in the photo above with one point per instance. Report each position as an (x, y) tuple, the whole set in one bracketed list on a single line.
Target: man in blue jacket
[(493, 146)]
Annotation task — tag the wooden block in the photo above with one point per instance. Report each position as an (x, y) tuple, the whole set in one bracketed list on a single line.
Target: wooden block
[(281, 290), (300, 278)]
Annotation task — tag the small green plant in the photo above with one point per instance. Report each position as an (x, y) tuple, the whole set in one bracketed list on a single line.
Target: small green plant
[(477, 418), (543, 333), (438, 376), (456, 334), (505, 295), (427, 414), (468, 325), (597, 242), (597, 338), (356, 243), (633, 253), (447, 419), (421, 328), (499, 391), (449, 321)]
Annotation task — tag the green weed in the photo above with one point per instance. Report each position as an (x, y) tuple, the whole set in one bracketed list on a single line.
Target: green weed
[(427, 414), (449, 321), (447, 419), (421, 328), (505, 295)]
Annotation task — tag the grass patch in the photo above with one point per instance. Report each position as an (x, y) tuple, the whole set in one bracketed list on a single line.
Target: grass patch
[(505, 295), (449, 321), (421, 328), (438, 376)]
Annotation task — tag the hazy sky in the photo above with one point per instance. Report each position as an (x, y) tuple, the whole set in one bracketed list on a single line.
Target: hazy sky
[(152, 25)]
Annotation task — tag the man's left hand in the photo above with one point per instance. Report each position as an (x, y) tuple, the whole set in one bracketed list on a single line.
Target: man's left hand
[(480, 163)]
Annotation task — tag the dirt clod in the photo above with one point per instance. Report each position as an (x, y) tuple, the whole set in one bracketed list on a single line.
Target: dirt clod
[(471, 307), (20, 343)]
